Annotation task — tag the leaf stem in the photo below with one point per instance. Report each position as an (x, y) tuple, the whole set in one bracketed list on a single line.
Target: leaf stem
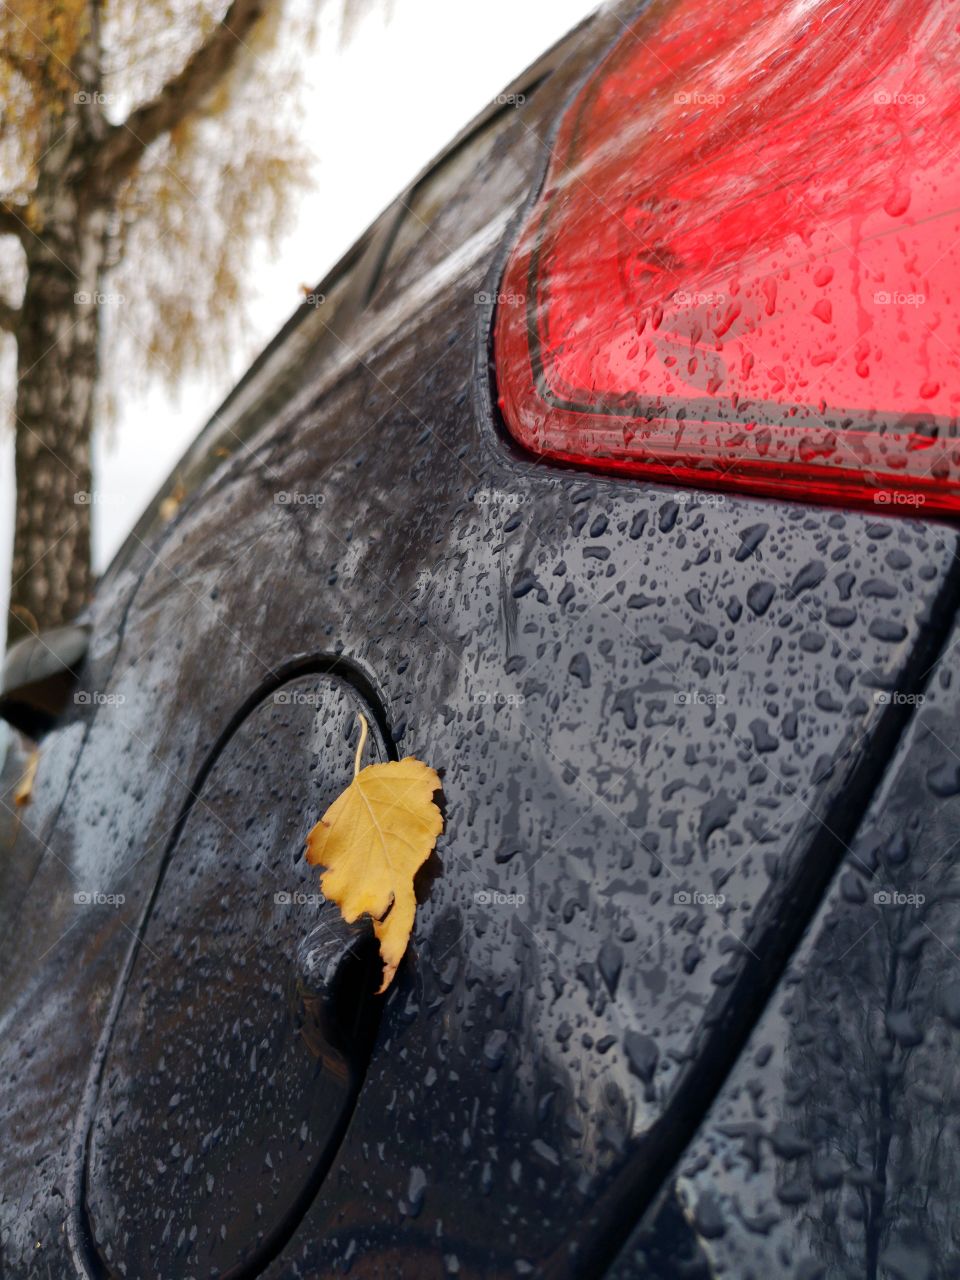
[(362, 743)]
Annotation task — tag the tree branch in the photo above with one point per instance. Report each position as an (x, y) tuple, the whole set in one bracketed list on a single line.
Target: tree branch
[(8, 317), (11, 221), (124, 144)]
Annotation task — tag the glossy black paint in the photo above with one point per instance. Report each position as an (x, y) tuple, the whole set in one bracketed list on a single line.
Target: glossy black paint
[(242, 980), (632, 695), (832, 1149)]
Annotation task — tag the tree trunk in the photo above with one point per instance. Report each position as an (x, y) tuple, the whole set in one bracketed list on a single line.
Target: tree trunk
[(82, 165), (57, 333), (57, 356)]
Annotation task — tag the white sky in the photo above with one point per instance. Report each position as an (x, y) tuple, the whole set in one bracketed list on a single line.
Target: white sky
[(377, 111)]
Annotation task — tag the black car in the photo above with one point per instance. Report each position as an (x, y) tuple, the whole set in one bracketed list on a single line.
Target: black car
[(614, 474)]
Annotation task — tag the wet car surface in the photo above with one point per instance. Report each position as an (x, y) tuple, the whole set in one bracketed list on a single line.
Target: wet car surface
[(831, 1148), (665, 720)]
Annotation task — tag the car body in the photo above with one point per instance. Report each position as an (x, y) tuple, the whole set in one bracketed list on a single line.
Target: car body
[(679, 999)]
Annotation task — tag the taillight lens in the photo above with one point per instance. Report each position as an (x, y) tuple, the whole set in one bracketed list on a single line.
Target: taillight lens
[(744, 268)]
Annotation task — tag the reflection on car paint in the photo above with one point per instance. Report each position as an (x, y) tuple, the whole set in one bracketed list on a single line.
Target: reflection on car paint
[(744, 267)]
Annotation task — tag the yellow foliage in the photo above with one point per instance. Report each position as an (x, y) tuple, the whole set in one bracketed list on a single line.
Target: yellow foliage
[(200, 201), (373, 839), (183, 225), (39, 43)]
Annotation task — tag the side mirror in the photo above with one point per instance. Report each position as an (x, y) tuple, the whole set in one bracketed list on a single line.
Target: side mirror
[(39, 675)]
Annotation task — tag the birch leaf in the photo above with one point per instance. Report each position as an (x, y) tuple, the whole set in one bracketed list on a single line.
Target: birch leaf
[(372, 841)]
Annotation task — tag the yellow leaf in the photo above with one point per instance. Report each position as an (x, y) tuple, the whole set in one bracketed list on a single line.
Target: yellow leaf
[(373, 839)]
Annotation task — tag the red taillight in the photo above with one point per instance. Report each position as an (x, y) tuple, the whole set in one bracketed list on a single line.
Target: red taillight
[(744, 268)]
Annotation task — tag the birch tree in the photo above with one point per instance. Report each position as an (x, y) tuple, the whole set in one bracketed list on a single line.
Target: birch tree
[(144, 144)]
